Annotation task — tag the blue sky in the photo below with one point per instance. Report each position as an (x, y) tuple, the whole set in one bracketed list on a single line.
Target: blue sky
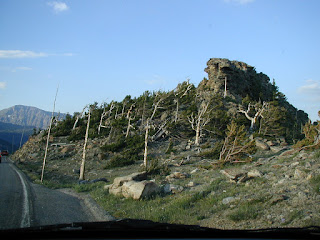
[(102, 50)]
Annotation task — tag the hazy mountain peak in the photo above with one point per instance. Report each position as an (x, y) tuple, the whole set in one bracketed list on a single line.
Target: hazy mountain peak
[(26, 116)]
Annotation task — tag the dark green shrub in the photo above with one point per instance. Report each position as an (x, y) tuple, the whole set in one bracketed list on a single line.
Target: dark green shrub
[(155, 168), (212, 153), (114, 147), (127, 151), (244, 212), (119, 161)]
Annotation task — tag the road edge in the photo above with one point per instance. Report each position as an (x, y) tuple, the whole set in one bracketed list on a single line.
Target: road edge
[(27, 204), (95, 209)]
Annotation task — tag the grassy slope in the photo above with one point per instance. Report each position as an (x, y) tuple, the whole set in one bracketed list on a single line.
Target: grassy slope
[(277, 199)]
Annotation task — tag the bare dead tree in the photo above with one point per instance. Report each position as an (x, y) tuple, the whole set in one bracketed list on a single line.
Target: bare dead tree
[(123, 108), (177, 110), (78, 117), (199, 121), (129, 119), (225, 87), (103, 115), (160, 131), (83, 162), (143, 109), (258, 112), (145, 155), (189, 86), (176, 100), (48, 137)]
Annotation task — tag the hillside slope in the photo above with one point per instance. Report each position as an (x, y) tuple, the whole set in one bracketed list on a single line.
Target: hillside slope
[(12, 135), (221, 155)]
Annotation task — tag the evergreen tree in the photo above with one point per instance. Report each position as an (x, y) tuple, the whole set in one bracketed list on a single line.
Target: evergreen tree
[(236, 146)]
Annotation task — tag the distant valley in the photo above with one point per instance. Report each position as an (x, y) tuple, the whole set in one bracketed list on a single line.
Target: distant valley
[(17, 123)]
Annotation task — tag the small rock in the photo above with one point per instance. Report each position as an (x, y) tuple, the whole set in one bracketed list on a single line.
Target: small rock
[(276, 149), (177, 175), (308, 165), (279, 198), (302, 196), (298, 174), (301, 156), (262, 145), (309, 177), (171, 188), (294, 164), (287, 153), (67, 149), (277, 166), (254, 173), (191, 184), (271, 143), (282, 181), (228, 200), (195, 170)]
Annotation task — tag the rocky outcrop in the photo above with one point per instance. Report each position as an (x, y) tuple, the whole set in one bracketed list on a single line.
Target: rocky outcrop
[(242, 79)]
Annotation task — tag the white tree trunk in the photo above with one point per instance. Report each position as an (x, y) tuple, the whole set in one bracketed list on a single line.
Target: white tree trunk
[(177, 110), (258, 113), (48, 137), (146, 145), (225, 87), (128, 127), (83, 162), (79, 116), (129, 119), (197, 141), (103, 115), (201, 120)]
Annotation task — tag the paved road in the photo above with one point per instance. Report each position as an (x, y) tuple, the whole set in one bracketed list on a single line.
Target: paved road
[(24, 204)]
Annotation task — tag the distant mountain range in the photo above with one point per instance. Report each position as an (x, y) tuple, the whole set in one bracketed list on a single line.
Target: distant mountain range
[(27, 116), (17, 124)]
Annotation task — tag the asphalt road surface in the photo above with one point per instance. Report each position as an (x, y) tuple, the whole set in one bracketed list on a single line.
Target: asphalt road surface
[(24, 204)]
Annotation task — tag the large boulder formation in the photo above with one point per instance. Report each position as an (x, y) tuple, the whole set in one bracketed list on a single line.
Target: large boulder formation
[(241, 78), (133, 186)]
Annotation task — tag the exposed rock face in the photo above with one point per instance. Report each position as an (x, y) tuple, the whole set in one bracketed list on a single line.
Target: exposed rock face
[(242, 79)]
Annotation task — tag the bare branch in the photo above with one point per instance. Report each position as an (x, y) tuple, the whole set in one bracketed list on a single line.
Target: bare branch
[(78, 117), (105, 113), (259, 112)]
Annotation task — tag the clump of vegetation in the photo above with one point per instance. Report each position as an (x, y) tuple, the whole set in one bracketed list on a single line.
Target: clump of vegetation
[(236, 145), (243, 212), (315, 182), (212, 153), (312, 136), (155, 168), (125, 151)]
